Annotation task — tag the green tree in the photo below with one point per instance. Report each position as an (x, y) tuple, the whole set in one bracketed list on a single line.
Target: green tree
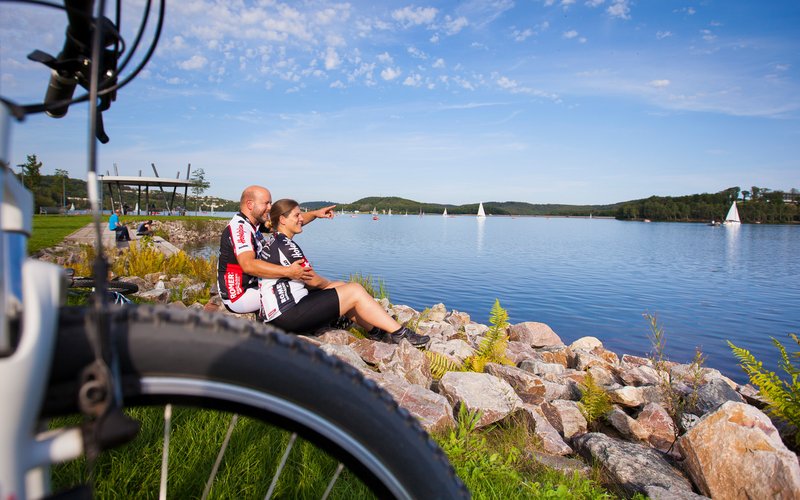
[(199, 185), (31, 172)]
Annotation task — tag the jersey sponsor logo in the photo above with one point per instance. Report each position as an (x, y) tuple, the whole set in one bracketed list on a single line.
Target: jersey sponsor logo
[(282, 292), (233, 282), (240, 235)]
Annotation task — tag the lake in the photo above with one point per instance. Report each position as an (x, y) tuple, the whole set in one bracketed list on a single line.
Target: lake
[(585, 276)]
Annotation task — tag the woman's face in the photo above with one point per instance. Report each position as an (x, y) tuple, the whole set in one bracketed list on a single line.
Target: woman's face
[(293, 222)]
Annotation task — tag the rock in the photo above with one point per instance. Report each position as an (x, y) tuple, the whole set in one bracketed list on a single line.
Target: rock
[(627, 426), (197, 306), (458, 319), (159, 296), (409, 363), (567, 466), (630, 360), (520, 351), (632, 467), (529, 388), (403, 314), (436, 329), (160, 285), (432, 410), (534, 334), (586, 359), (566, 389), (609, 357), (637, 376), (437, 312), (541, 368), (561, 355), (456, 349), (340, 337), (551, 440), (493, 396), (659, 425), (633, 397), (346, 354), (373, 352), (712, 395), (191, 292), (566, 417), (474, 331), (177, 304), (586, 343), (736, 452), (602, 375)]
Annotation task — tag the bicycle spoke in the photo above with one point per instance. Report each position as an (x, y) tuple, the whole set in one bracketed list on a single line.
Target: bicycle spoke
[(162, 492), (281, 465), (333, 481), (221, 453)]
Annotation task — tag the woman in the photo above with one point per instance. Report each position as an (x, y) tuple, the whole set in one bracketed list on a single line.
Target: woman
[(305, 306)]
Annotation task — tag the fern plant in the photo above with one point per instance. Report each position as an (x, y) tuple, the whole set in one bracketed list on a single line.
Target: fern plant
[(441, 364), (595, 401), (782, 396), (493, 346)]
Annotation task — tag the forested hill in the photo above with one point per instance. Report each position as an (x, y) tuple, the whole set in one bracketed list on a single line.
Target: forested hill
[(402, 205)]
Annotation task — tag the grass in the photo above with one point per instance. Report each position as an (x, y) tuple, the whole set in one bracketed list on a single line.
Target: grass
[(50, 230), (490, 462)]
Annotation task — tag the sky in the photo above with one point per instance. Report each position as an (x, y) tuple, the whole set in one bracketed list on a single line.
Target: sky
[(539, 101)]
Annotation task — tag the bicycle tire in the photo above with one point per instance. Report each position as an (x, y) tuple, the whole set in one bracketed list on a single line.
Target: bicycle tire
[(122, 287), (212, 361)]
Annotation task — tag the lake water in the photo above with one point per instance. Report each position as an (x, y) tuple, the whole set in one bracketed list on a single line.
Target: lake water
[(585, 276)]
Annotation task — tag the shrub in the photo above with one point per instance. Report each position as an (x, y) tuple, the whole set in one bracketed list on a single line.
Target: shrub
[(782, 396), (595, 401)]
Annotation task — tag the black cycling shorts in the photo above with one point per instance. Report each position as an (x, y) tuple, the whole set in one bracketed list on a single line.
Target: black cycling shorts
[(317, 309)]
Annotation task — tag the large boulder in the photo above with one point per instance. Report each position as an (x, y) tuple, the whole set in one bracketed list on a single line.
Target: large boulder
[(736, 452), (551, 441), (373, 352), (566, 417), (633, 467), (528, 387), (432, 410), (409, 363), (534, 334), (490, 395), (659, 425)]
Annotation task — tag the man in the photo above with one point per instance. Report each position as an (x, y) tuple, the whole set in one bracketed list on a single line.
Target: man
[(115, 225), (241, 244)]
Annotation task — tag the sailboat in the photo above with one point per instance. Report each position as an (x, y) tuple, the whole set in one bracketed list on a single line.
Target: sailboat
[(444, 214), (481, 212), (732, 219), (72, 207), (390, 211)]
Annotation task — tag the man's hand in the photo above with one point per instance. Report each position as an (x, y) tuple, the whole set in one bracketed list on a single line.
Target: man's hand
[(297, 271)]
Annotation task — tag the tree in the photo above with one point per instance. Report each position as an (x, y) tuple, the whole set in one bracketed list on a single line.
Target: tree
[(199, 184), (31, 171), (745, 194)]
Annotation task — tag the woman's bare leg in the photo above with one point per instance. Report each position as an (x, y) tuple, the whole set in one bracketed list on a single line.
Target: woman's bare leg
[(354, 301)]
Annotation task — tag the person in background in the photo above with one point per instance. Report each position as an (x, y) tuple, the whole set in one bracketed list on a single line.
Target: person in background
[(305, 305), (145, 228), (240, 248), (118, 227)]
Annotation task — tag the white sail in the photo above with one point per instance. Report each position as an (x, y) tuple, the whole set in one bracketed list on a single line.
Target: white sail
[(481, 212), (390, 211), (444, 213), (72, 207), (733, 215)]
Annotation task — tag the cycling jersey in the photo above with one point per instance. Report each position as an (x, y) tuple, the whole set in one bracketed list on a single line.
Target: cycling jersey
[(278, 295), (239, 236)]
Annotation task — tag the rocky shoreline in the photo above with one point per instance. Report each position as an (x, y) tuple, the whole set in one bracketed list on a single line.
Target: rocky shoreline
[(721, 445)]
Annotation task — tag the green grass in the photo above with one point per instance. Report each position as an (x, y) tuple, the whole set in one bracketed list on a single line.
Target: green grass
[(50, 230), (254, 451)]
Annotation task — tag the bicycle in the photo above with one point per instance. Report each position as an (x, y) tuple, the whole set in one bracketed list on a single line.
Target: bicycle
[(98, 360)]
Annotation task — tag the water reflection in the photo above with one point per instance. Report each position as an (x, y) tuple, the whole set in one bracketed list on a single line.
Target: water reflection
[(481, 229)]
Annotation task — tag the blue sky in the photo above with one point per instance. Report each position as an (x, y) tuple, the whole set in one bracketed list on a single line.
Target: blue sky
[(542, 101)]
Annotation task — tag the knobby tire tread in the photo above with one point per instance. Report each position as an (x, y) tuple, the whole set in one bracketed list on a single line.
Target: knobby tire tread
[(157, 341)]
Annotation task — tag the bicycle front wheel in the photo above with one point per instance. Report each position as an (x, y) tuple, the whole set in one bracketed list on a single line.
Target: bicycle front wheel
[(172, 356)]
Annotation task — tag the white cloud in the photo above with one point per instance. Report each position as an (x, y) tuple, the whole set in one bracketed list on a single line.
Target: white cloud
[(337, 85), (413, 80), (520, 36), (332, 60), (439, 63), (414, 16), (385, 58), (195, 62), (390, 73), (782, 67), (453, 26), (595, 3), (434, 38), (659, 84), (663, 34), (570, 34), (416, 53), (708, 36), (620, 9), (506, 83)]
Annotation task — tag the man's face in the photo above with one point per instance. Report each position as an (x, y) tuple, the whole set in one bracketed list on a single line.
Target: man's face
[(262, 202)]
